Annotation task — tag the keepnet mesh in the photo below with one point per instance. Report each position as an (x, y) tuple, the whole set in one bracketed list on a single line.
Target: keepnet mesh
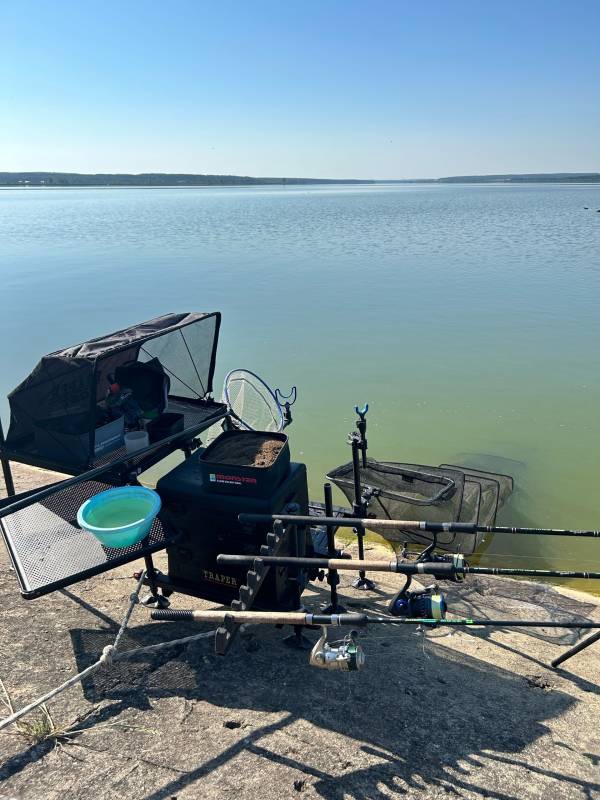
[(448, 493)]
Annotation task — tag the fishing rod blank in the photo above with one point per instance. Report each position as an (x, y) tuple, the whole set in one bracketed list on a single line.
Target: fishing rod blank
[(483, 623), (386, 525), (440, 568), (353, 619)]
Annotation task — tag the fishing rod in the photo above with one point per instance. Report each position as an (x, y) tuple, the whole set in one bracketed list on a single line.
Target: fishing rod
[(353, 619), (387, 525), (346, 654), (447, 567)]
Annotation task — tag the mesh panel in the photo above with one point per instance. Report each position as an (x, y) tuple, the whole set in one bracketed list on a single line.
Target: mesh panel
[(494, 490), (193, 415), (252, 401), (48, 548)]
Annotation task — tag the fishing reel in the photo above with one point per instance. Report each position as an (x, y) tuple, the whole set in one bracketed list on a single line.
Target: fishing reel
[(458, 562), (345, 654), (428, 603)]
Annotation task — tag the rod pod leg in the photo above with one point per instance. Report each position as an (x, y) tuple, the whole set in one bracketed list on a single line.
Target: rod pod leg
[(359, 509), (333, 578), (572, 651), (153, 599), (362, 582)]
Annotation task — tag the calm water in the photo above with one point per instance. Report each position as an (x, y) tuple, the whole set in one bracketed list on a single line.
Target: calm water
[(467, 316)]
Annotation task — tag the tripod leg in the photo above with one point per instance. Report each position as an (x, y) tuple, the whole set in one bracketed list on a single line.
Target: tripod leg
[(572, 651)]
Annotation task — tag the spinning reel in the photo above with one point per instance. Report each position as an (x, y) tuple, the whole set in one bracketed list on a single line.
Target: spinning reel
[(428, 603), (344, 655)]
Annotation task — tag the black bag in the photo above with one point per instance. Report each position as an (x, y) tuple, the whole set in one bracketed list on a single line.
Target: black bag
[(149, 384)]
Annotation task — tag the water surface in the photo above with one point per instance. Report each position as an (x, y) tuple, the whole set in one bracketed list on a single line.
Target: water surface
[(467, 316)]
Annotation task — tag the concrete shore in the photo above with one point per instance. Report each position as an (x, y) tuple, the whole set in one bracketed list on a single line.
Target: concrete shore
[(471, 714)]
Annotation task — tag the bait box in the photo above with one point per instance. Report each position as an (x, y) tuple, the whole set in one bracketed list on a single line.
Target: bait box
[(244, 480)]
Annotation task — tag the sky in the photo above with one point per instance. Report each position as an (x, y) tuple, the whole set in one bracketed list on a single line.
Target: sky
[(300, 88)]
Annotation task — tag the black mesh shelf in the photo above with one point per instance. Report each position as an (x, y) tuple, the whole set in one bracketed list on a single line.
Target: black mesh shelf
[(49, 551), (198, 416)]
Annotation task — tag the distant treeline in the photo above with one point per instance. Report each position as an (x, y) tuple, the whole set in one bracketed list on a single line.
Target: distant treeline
[(150, 179), (181, 179), (542, 177), (556, 177)]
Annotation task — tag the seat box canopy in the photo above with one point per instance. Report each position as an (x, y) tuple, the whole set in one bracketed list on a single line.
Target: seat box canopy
[(61, 394)]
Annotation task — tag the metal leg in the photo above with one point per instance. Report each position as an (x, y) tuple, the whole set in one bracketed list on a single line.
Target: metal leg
[(333, 577), (362, 582), (359, 510), (6, 470), (153, 599), (297, 640), (572, 651)]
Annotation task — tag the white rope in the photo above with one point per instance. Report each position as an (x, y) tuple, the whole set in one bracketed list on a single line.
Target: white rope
[(107, 659)]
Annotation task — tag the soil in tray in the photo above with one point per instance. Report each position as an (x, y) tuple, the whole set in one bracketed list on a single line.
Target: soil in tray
[(247, 450)]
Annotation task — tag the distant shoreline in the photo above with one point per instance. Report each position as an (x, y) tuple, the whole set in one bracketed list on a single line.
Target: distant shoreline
[(62, 180)]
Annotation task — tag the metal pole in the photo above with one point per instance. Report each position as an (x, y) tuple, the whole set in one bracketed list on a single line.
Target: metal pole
[(6, 470), (333, 577), (358, 509), (385, 526), (576, 649)]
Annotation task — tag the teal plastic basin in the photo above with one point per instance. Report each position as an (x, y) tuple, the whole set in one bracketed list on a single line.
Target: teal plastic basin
[(120, 517)]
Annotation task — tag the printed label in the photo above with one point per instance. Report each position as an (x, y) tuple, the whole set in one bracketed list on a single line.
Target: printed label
[(233, 480), (216, 577)]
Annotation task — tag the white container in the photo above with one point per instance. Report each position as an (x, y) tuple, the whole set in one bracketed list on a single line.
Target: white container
[(136, 440)]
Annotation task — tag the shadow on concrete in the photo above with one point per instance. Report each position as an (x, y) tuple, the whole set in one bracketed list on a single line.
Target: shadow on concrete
[(420, 709)]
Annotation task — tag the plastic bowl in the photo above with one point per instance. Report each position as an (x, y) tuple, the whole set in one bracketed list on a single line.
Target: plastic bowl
[(120, 517)]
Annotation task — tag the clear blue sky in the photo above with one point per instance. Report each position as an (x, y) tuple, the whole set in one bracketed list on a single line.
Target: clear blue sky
[(377, 88)]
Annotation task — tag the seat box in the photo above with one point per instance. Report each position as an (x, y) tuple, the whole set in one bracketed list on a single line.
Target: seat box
[(207, 524)]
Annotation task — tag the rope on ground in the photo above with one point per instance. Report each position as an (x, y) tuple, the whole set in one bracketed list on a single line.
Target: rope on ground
[(107, 659)]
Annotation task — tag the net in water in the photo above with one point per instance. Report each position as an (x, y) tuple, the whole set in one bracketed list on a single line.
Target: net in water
[(448, 493)]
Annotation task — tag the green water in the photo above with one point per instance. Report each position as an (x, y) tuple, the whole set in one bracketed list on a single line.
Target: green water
[(467, 316), (117, 513)]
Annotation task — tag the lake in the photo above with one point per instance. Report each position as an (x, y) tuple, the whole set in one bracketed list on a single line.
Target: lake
[(467, 316)]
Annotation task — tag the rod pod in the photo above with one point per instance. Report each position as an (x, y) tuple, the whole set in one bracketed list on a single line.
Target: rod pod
[(358, 443)]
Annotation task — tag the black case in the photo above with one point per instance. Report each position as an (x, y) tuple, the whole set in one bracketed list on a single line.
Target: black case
[(207, 524)]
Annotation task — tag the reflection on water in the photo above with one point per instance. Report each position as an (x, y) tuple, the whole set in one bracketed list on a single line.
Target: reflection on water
[(467, 316)]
